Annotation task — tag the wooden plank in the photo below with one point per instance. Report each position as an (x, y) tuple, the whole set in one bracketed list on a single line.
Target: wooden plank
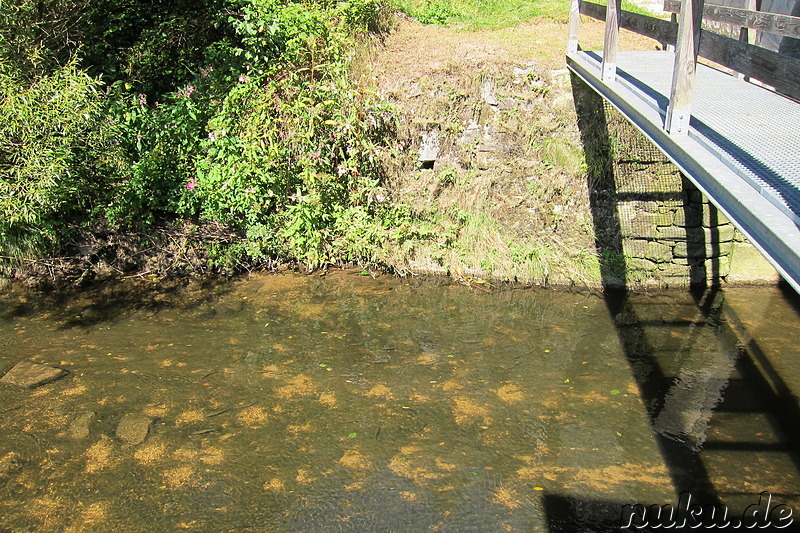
[(596, 11), (660, 30), (680, 98), (611, 42), (591, 9), (574, 24), (784, 25), (772, 68)]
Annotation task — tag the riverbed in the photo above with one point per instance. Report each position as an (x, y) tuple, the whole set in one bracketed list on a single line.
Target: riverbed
[(346, 402)]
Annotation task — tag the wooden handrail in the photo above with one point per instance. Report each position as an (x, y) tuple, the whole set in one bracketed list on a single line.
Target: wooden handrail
[(774, 69), (784, 25), (691, 41)]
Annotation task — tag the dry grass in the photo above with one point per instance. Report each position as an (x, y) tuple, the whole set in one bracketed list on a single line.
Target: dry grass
[(507, 197)]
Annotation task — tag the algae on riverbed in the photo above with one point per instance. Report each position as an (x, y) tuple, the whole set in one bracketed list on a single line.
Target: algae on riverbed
[(286, 402)]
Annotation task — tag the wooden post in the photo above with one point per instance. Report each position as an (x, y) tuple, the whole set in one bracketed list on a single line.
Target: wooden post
[(609, 70), (746, 35), (574, 23), (671, 47), (679, 111)]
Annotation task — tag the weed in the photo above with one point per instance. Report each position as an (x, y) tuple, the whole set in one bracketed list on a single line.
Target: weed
[(447, 176)]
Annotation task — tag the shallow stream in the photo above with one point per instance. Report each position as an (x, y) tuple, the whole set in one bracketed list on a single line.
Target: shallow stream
[(309, 403)]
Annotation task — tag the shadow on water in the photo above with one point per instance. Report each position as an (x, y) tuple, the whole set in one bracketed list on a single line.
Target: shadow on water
[(738, 379), (109, 301)]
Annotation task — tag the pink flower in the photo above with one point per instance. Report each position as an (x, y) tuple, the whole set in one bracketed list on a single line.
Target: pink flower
[(186, 93), (191, 183)]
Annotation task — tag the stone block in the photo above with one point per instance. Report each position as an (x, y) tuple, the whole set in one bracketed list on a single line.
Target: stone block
[(663, 218), (635, 248), (721, 234), (133, 428), (658, 252), (637, 263), (719, 266), (748, 265), (670, 233), (673, 271), (681, 249), (724, 233), (634, 223), (700, 214)]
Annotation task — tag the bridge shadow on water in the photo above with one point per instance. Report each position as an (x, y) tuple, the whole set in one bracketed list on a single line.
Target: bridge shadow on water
[(704, 403)]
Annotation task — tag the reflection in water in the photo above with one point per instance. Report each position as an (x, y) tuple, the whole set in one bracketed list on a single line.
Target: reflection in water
[(291, 403)]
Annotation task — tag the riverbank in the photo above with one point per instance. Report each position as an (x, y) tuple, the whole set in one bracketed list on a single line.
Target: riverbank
[(506, 197), (505, 181), (479, 174)]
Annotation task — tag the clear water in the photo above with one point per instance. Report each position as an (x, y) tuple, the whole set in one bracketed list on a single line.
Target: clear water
[(346, 403)]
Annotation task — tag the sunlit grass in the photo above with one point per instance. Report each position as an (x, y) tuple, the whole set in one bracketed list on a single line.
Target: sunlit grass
[(491, 14), (485, 14)]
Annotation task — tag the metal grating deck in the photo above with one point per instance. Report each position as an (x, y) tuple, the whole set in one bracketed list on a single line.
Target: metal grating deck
[(743, 148), (752, 130)]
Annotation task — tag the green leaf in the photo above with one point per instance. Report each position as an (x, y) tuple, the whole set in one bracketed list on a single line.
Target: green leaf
[(615, 391), (352, 435)]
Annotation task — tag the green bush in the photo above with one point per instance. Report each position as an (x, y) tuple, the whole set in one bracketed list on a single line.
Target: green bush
[(294, 146), (55, 160), (240, 113)]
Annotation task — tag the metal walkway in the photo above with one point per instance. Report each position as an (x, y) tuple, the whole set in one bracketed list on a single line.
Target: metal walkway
[(742, 150)]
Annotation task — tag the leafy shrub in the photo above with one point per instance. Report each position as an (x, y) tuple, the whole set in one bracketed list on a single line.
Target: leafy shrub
[(54, 159), (161, 142), (238, 112), (294, 145), (436, 12)]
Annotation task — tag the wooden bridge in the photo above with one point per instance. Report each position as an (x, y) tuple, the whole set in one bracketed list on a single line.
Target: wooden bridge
[(733, 128)]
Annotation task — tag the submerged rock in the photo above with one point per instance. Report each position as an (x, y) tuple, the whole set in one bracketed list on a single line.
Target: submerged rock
[(10, 464), (80, 426), (133, 428), (27, 374)]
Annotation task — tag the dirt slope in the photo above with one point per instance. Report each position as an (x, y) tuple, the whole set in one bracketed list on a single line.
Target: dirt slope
[(507, 191)]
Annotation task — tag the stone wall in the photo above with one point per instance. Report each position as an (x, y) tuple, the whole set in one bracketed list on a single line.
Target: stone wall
[(671, 234)]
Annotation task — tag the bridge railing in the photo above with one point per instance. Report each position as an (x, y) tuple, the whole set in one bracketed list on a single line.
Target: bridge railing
[(690, 41)]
